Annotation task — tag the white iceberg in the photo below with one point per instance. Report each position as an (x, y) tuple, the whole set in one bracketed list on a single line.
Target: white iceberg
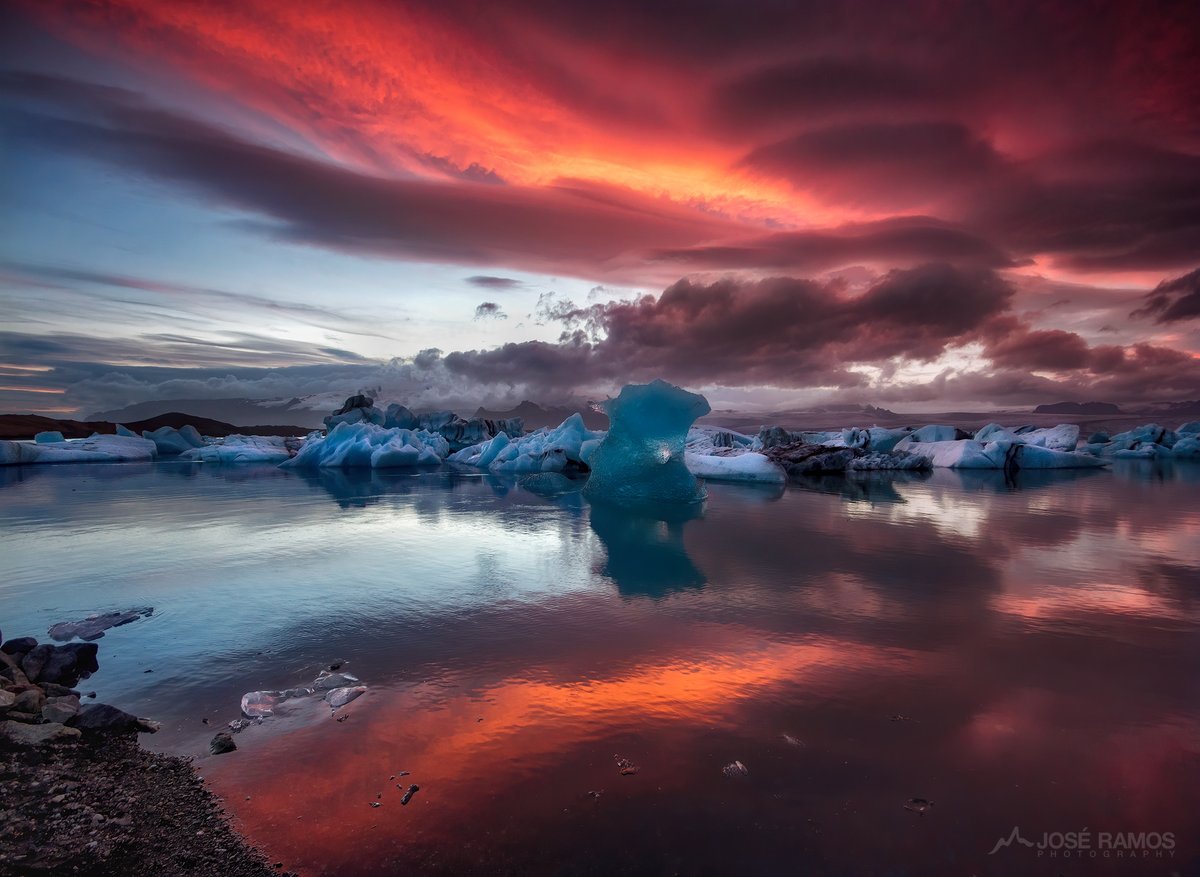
[(973, 454), (241, 449), (543, 450), (1187, 448), (1064, 437), (368, 445), (748, 466), (170, 441), (97, 449)]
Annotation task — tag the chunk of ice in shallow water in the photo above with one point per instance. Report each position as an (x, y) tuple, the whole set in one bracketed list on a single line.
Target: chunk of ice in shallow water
[(339, 697), (642, 457), (735, 770), (261, 703)]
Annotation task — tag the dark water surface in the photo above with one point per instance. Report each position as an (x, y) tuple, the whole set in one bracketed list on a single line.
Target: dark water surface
[(1022, 655)]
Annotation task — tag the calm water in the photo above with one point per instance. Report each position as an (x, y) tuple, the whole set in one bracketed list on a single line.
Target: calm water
[(1021, 655)]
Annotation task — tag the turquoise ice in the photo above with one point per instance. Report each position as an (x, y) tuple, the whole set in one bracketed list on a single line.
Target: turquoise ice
[(642, 457)]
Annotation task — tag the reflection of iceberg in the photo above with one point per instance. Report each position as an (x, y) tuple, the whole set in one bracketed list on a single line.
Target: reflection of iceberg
[(865, 486), (642, 457), (999, 481), (644, 545)]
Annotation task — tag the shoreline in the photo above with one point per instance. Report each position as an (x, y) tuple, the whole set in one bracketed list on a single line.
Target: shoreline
[(103, 804)]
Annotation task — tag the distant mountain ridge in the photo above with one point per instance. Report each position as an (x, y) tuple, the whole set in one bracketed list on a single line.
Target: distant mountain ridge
[(535, 416), (1078, 408), (26, 426), (248, 412)]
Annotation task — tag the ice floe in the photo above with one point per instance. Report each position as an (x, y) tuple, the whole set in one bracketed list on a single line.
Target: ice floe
[(543, 450), (97, 449), (369, 445), (242, 449)]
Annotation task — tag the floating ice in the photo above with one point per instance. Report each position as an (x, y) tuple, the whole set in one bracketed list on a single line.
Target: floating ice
[(339, 697), (171, 441), (97, 449), (1187, 448), (1148, 442), (972, 454), (47, 438), (642, 457), (241, 449), (1063, 437), (747, 466), (543, 450), (368, 445)]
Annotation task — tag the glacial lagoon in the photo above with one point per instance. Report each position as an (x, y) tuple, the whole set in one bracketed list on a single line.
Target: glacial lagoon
[(909, 666)]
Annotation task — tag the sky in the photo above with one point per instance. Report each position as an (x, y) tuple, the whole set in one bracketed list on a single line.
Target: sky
[(919, 205)]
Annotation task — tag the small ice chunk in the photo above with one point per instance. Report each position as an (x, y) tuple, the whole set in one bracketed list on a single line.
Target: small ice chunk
[(735, 770), (48, 437), (339, 697), (261, 703)]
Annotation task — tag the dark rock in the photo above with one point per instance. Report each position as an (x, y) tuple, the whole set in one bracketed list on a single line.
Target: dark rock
[(412, 790), (801, 458), (358, 401), (94, 626), (19, 646), (30, 701), (222, 743), (35, 735), (105, 719), (53, 689), (918, 805), (69, 663), (35, 660)]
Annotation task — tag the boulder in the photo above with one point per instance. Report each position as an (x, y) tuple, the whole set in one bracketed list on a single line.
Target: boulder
[(36, 735), (222, 743), (35, 660), (19, 646), (104, 719), (60, 709)]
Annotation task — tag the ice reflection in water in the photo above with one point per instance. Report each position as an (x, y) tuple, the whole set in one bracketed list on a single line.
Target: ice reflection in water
[(1020, 653)]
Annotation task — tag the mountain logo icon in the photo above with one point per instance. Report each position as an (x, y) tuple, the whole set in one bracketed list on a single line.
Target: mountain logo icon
[(1013, 836)]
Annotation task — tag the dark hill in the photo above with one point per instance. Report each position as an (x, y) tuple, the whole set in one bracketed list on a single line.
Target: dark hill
[(1089, 408), (26, 426)]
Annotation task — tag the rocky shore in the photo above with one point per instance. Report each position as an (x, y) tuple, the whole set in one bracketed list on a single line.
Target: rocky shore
[(78, 795)]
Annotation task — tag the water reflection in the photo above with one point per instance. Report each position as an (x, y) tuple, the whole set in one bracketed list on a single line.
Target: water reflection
[(1019, 654), (644, 549)]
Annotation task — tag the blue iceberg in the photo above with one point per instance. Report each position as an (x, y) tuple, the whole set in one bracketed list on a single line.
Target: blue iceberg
[(642, 457)]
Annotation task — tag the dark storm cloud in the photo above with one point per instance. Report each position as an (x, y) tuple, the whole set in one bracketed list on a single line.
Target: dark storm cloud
[(489, 310), (1173, 300), (780, 331), (882, 164), (573, 226), (900, 242), (491, 282), (817, 88)]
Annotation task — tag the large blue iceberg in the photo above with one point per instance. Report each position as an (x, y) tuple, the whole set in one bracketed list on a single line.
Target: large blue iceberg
[(642, 457)]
